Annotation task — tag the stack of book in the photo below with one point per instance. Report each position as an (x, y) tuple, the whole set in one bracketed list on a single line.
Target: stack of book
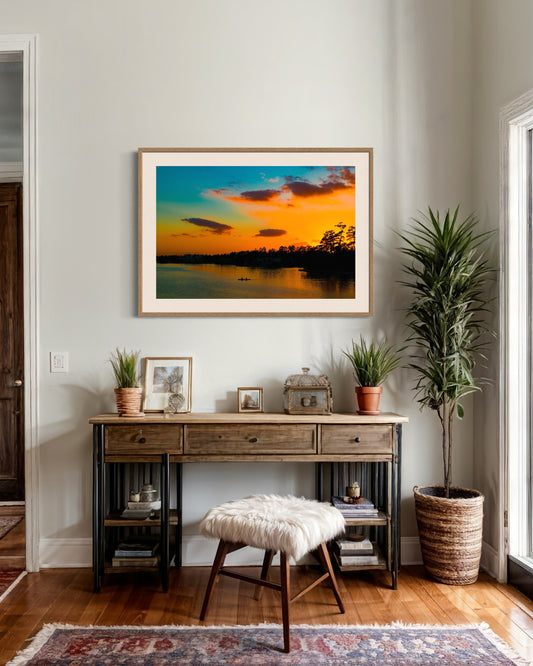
[(136, 554), (364, 509), (140, 510), (355, 553)]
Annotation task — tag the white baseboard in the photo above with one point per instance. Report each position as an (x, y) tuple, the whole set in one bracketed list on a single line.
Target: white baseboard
[(489, 560), (411, 550), (197, 551), (60, 553)]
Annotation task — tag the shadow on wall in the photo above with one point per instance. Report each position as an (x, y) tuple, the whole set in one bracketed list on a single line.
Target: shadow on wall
[(62, 446)]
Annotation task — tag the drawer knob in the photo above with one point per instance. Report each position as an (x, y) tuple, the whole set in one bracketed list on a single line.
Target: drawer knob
[(253, 440), (357, 439), (142, 440)]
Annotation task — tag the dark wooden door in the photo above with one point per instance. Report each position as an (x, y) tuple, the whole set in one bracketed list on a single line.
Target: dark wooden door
[(11, 344)]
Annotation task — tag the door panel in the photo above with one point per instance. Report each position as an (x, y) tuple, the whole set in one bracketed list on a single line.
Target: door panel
[(11, 344)]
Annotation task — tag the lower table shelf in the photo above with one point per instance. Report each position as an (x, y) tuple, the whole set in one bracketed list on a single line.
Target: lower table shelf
[(363, 565), (110, 568), (115, 520)]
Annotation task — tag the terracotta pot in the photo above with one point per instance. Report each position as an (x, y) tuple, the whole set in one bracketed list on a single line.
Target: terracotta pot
[(129, 401), (451, 533), (368, 399)]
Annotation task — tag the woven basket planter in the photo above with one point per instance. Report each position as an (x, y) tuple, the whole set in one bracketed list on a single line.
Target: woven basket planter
[(129, 401), (450, 533)]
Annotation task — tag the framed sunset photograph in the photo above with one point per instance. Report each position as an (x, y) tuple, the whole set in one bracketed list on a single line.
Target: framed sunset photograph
[(255, 232)]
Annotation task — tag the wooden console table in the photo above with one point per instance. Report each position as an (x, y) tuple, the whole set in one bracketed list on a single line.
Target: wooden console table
[(162, 440)]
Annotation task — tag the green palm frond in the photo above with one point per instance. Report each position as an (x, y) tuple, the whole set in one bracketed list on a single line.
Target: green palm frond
[(446, 272)]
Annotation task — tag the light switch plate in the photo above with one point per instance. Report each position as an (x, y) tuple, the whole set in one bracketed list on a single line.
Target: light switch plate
[(58, 361)]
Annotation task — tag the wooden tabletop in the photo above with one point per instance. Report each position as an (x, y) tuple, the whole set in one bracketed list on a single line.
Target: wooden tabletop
[(267, 417)]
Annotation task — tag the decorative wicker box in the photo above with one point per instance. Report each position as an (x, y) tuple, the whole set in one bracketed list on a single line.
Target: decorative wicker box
[(307, 394)]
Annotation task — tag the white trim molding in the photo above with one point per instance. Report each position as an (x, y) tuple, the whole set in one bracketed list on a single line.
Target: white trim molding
[(411, 553), (65, 553), (26, 46), (197, 551), (516, 119), (490, 561)]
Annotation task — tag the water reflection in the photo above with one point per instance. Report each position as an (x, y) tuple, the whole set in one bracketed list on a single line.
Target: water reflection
[(216, 281)]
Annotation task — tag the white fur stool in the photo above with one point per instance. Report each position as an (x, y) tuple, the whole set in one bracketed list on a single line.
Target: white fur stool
[(292, 526)]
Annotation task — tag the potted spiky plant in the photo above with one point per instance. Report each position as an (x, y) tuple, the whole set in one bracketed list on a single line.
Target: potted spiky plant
[(128, 394), (372, 363), (447, 270)]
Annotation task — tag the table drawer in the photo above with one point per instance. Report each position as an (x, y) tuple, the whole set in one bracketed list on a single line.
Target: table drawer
[(356, 439), (147, 439), (250, 439)]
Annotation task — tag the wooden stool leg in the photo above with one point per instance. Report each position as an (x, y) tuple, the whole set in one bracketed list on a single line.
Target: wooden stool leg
[(267, 561), (285, 600), (326, 563), (218, 563)]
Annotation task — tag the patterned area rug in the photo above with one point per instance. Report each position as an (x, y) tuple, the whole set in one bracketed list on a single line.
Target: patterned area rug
[(8, 579), (248, 645), (7, 523)]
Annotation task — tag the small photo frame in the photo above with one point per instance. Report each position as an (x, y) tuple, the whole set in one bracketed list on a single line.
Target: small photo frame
[(250, 398), (167, 384)]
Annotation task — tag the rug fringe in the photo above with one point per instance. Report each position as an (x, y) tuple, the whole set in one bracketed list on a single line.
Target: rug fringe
[(23, 656), (13, 584), (37, 643), (504, 648), (397, 624)]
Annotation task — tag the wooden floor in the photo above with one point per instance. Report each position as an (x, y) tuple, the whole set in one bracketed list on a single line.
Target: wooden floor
[(66, 596), (13, 544)]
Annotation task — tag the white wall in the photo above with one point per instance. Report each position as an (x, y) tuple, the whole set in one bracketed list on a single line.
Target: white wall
[(502, 72), (114, 76)]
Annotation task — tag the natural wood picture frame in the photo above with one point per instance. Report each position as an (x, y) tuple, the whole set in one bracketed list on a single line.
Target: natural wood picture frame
[(167, 384), (251, 232), (250, 399)]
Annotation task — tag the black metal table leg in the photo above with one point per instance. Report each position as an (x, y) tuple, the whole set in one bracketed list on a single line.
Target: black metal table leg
[(320, 481), (179, 526), (96, 524), (98, 506), (399, 492), (165, 513), (393, 525)]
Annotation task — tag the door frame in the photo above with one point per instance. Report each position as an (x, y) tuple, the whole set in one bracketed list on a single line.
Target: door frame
[(27, 45), (516, 120)]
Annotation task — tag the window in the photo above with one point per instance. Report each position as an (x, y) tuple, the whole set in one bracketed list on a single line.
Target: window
[(516, 472)]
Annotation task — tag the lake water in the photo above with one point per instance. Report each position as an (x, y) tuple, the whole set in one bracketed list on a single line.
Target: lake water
[(214, 281)]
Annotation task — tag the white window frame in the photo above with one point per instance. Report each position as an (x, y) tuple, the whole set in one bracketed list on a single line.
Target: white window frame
[(516, 120)]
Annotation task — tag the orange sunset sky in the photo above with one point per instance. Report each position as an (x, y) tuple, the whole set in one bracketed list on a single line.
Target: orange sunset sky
[(219, 209)]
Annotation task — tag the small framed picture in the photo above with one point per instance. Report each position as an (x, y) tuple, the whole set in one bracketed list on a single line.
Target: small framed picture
[(167, 384), (250, 399)]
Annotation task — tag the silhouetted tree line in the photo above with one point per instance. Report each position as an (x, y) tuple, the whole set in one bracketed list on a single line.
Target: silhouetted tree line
[(334, 254)]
